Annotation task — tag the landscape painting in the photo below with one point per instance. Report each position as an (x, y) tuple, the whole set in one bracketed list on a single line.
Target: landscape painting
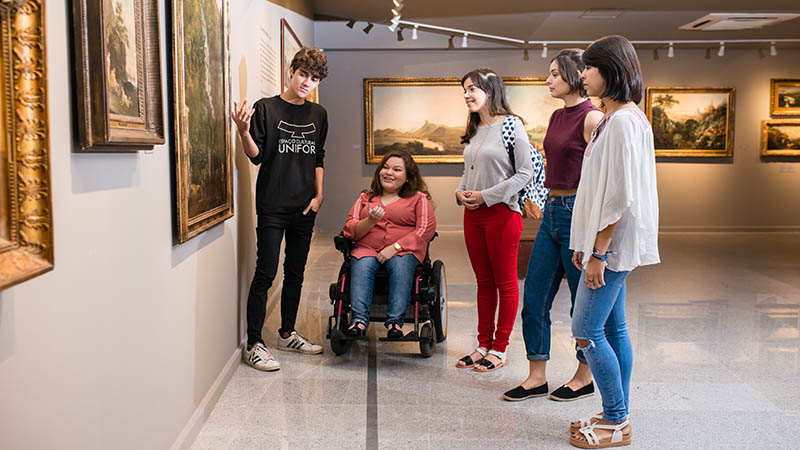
[(427, 116), (780, 137), (204, 177), (26, 217), (118, 75), (122, 63), (691, 122), (784, 97)]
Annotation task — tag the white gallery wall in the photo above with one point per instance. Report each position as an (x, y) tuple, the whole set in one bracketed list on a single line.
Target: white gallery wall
[(124, 343), (738, 194)]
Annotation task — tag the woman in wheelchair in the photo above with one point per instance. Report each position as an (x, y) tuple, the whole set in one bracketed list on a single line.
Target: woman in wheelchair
[(391, 224)]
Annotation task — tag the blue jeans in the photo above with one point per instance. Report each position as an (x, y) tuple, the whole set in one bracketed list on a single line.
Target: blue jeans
[(362, 281), (550, 260), (600, 319)]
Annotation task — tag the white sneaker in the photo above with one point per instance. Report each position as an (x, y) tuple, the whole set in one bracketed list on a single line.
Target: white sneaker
[(297, 343), (260, 358)]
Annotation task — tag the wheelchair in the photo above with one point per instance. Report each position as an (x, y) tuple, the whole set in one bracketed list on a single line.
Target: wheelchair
[(427, 308)]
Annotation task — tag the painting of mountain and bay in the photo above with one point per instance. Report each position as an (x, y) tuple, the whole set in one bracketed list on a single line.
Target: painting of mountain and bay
[(691, 122), (784, 97), (427, 116)]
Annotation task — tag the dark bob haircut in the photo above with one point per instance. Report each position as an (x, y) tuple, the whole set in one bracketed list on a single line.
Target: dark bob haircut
[(312, 60), (618, 64), (570, 67)]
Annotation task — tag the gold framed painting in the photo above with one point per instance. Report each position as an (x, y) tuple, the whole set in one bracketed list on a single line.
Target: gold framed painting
[(201, 91), (784, 97), (290, 45), (427, 116), (118, 75), (691, 122), (26, 223), (780, 137)]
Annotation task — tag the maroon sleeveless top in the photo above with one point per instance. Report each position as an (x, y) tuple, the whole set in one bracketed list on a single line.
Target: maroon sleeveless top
[(564, 146)]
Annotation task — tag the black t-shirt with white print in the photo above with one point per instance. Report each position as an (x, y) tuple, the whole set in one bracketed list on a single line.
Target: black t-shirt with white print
[(291, 141)]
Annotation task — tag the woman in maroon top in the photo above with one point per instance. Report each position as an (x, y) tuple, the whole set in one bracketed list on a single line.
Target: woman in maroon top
[(567, 134), (391, 223)]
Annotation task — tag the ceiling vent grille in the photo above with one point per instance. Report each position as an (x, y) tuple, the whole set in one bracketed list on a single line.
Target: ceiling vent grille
[(740, 21)]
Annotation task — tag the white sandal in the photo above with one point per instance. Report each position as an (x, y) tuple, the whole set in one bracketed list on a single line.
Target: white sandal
[(585, 422), (467, 363), (617, 438)]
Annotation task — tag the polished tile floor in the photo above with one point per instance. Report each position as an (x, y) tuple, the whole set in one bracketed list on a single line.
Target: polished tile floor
[(716, 347)]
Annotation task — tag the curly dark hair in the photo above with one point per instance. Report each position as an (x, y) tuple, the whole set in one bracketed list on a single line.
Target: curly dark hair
[(414, 182), (312, 60)]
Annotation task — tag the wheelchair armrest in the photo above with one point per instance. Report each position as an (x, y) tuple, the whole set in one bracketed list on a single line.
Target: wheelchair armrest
[(343, 244)]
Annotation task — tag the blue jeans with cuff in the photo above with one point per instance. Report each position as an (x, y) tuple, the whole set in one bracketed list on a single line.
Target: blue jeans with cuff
[(550, 260), (599, 318), (362, 282)]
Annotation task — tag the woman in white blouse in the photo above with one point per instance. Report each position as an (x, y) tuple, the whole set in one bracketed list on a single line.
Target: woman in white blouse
[(614, 230)]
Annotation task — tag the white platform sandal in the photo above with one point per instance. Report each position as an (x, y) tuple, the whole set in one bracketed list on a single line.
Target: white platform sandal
[(617, 438), (585, 422)]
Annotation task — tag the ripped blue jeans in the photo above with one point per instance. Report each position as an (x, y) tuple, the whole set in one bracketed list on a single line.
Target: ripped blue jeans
[(599, 317)]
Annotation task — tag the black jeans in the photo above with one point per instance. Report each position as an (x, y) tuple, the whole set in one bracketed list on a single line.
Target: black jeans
[(269, 233)]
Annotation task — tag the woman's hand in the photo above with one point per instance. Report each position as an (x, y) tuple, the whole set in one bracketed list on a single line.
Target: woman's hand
[(472, 199), (531, 210), (386, 254), (376, 214), (241, 116), (577, 260), (593, 276)]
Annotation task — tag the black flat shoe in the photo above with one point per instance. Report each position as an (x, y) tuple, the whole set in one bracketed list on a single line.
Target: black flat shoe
[(519, 393), (394, 332), (566, 394), (355, 330)]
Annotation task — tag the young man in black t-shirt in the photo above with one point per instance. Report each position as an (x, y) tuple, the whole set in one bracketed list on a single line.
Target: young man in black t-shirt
[(285, 135)]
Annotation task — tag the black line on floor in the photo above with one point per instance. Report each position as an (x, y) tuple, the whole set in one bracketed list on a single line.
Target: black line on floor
[(372, 393)]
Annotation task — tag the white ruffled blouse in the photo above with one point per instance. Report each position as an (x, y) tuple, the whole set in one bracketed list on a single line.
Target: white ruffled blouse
[(618, 183)]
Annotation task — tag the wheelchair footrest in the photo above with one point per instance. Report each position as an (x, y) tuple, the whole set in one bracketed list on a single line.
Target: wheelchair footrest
[(336, 335), (412, 336)]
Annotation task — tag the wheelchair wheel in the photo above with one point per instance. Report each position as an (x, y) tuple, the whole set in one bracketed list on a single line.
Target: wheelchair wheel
[(339, 347), (426, 342), (439, 308)]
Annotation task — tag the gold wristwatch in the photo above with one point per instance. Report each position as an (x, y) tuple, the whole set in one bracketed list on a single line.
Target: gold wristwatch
[(398, 247)]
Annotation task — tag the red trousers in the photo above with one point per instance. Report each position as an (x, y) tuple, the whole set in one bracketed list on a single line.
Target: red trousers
[(492, 237)]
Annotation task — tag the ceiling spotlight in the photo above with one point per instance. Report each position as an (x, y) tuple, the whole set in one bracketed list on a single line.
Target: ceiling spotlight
[(450, 43), (414, 33), (525, 56), (464, 41), (393, 26), (544, 50), (671, 51), (772, 50), (399, 34), (397, 4), (368, 28), (721, 51), (351, 23), (396, 11)]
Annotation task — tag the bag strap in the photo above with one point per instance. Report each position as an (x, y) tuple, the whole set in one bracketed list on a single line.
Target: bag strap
[(509, 137)]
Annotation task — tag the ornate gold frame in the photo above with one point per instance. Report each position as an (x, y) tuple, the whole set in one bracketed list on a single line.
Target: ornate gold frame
[(774, 109), (189, 227), (26, 250), (369, 144), (764, 135), (727, 152), (98, 129)]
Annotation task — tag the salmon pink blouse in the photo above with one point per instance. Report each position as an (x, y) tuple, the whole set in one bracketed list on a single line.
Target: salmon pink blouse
[(408, 221)]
